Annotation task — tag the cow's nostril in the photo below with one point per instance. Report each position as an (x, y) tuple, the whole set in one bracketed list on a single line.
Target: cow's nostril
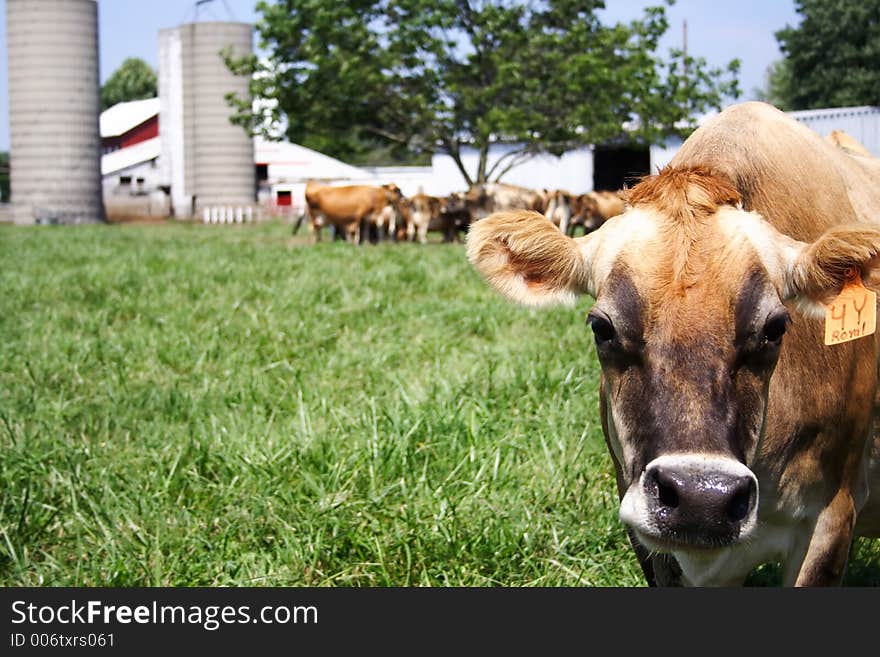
[(666, 493), (738, 508)]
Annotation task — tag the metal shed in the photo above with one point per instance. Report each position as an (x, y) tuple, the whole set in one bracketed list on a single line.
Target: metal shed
[(862, 123)]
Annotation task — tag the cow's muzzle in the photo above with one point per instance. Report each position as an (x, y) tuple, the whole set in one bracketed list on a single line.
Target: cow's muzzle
[(684, 501)]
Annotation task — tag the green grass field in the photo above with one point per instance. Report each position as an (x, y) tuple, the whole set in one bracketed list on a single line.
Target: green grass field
[(187, 405)]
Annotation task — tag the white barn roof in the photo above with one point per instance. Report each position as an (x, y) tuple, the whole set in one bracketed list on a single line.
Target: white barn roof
[(292, 162), (287, 162), (122, 117), (123, 158)]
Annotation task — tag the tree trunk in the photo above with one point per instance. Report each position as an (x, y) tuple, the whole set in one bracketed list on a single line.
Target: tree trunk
[(482, 165), (452, 149)]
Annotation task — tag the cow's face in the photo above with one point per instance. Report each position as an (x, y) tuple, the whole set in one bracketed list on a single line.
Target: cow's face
[(393, 194), (588, 210), (688, 324), (423, 208), (687, 346)]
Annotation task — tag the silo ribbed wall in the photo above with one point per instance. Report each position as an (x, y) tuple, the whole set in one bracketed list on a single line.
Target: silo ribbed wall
[(54, 105), (218, 156)]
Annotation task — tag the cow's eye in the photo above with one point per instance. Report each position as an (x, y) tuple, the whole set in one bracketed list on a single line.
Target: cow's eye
[(774, 328), (602, 327)]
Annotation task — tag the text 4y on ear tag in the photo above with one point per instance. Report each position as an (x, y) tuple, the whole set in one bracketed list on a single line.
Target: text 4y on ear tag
[(853, 314)]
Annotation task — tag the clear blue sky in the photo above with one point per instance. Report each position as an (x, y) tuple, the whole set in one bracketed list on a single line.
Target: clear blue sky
[(718, 30)]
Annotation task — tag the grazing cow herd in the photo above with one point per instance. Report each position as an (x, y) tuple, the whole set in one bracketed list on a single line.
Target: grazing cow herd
[(738, 433), (360, 213)]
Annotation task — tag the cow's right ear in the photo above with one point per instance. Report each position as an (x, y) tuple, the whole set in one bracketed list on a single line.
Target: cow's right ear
[(526, 258), (819, 270)]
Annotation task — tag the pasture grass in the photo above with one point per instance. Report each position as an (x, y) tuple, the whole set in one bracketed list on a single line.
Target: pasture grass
[(186, 405)]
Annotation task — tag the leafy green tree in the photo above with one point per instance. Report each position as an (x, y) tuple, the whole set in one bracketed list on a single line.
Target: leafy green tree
[(133, 80), (833, 54), (429, 75)]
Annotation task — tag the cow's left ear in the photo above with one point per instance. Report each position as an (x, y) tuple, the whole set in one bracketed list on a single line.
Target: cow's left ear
[(526, 258), (818, 271)]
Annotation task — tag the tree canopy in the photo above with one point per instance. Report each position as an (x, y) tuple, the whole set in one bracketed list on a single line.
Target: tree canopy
[(831, 58), (426, 75), (133, 80)]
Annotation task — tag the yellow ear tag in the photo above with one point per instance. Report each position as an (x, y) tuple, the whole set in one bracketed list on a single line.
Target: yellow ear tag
[(853, 314)]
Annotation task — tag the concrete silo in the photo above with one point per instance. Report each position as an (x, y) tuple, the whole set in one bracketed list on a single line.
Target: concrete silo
[(209, 161), (54, 104)]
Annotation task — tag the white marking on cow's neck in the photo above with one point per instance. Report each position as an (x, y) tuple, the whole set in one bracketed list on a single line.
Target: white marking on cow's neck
[(770, 541)]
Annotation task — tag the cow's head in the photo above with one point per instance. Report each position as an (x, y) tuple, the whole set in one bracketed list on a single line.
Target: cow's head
[(586, 211), (393, 194), (424, 207), (689, 320)]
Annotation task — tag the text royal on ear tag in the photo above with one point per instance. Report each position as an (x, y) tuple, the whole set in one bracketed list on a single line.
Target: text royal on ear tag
[(853, 314)]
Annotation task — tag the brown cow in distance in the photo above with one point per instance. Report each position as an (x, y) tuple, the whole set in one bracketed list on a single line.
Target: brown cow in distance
[(595, 208), (349, 208), (560, 206), (484, 198), (424, 210), (848, 143), (446, 214), (455, 217), (738, 437), (590, 210)]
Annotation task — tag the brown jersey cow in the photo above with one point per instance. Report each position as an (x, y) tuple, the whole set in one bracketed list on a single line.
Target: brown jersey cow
[(348, 207), (485, 198), (737, 435), (848, 143), (446, 214), (593, 209), (560, 206), (424, 211)]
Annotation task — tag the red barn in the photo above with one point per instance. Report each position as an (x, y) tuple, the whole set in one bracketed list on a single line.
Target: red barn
[(126, 124)]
